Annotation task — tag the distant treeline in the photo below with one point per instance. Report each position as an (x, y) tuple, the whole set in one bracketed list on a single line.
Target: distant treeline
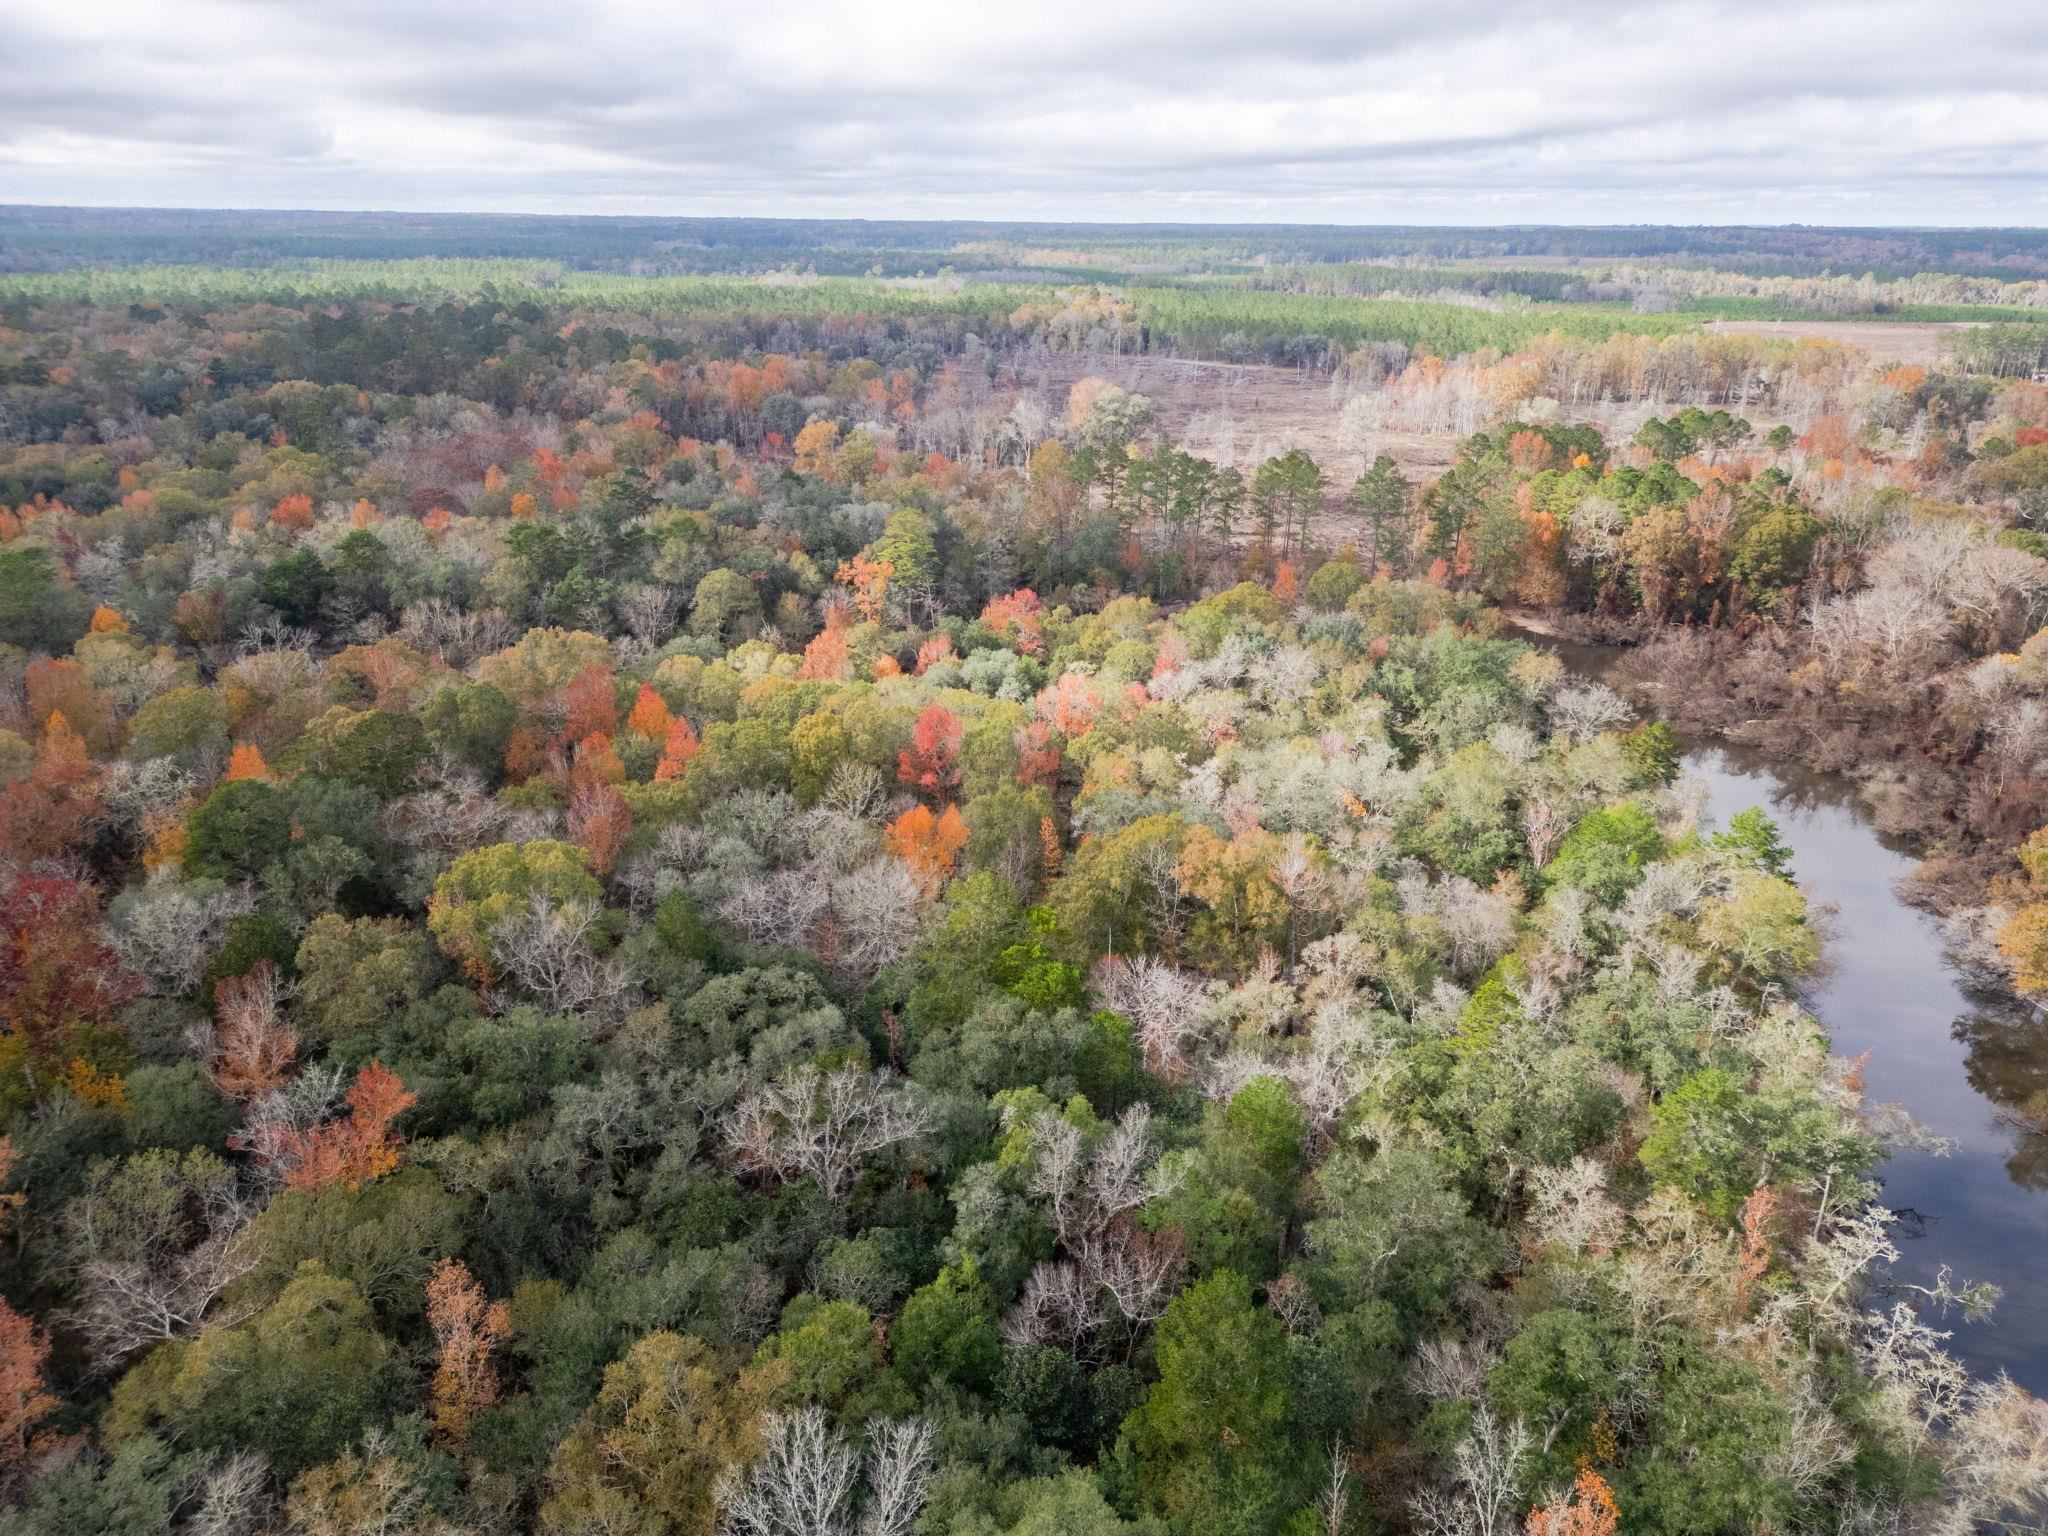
[(54, 239)]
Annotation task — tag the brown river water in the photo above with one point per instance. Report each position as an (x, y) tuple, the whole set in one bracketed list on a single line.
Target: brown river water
[(1956, 1054)]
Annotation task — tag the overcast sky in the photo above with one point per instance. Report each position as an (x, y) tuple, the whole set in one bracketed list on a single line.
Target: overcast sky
[(1342, 111)]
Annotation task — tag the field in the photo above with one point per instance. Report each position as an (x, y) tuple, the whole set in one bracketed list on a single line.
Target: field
[(1920, 342)]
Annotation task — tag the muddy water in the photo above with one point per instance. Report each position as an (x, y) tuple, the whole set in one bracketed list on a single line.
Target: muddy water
[(1958, 1058)]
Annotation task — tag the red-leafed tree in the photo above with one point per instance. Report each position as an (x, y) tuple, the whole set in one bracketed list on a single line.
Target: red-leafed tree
[(590, 705), (931, 764)]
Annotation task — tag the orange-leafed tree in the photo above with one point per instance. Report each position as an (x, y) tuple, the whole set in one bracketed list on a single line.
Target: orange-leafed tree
[(108, 621), (650, 716), (676, 752), (246, 762), (354, 1150), (57, 685), (600, 821), (928, 844), (467, 1328), (24, 1402), (597, 762), (294, 511), (931, 763), (828, 657), (59, 804), (1015, 620), (1588, 1509), (254, 1046), (935, 650), (590, 705), (868, 580)]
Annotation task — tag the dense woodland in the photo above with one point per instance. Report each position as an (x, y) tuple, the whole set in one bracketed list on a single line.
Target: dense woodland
[(690, 909)]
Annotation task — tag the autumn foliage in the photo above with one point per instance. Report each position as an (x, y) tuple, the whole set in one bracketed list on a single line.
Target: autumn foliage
[(357, 1148), (931, 763), (256, 1047), (676, 752), (246, 762), (24, 1404), (650, 717), (1588, 1510), (928, 844), (467, 1328)]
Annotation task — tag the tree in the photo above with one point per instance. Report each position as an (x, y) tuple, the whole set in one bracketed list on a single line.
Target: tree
[(157, 1239), (349, 1151), (867, 578), (1286, 491), (927, 843), (1380, 496), (726, 608), (677, 750), (1215, 1437), (650, 718), (646, 1458), (300, 1381), (804, 1480), (246, 762), (482, 889), (1587, 1509), (467, 1328), (40, 610), (24, 1404), (931, 763), (825, 1124), (255, 1046)]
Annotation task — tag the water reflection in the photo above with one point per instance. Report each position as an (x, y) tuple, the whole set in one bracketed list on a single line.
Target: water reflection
[(1962, 1061), (1969, 1064)]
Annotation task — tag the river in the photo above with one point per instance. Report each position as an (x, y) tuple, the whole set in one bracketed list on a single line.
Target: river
[(1948, 1051)]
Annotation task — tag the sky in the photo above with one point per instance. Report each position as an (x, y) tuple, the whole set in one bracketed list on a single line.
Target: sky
[(1338, 111)]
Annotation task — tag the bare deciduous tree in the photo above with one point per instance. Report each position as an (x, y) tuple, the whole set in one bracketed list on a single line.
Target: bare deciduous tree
[(826, 1124), (804, 1482)]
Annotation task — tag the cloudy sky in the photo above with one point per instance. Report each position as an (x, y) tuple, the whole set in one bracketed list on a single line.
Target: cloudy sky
[(1340, 111)]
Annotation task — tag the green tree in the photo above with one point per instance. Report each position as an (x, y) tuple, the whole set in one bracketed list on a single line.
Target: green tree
[(300, 1381), (1381, 497), (1216, 1437)]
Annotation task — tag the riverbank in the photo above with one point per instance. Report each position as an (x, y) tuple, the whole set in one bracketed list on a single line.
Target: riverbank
[(1960, 1057)]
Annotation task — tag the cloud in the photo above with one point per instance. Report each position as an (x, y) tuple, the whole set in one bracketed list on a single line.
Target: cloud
[(1911, 111)]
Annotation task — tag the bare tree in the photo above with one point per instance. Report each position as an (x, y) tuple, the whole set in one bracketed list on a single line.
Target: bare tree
[(826, 1125), (1161, 1003), (1487, 1469), (547, 950), (804, 1482)]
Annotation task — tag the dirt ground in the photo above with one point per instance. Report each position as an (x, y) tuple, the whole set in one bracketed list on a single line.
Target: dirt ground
[(1242, 413), (1905, 341)]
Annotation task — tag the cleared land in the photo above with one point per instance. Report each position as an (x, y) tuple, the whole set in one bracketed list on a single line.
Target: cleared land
[(1242, 413), (1923, 342)]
